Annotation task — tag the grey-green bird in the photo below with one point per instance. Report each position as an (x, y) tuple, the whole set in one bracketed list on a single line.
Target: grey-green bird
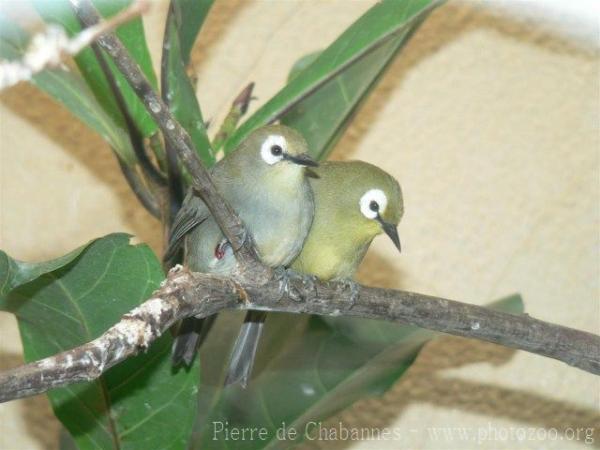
[(264, 182), (354, 202)]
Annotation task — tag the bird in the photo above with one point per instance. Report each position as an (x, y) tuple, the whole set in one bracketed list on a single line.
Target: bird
[(354, 202), (265, 182)]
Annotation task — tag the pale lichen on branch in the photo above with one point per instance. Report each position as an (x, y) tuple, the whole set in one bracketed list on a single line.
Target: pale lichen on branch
[(48, 48)]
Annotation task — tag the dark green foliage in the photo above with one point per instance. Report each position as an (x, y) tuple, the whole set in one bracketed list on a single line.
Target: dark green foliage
[(71, 300)]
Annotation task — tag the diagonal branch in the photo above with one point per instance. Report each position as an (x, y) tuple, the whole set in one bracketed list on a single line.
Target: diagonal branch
[(186, 294), (174, 175), (176, 136)]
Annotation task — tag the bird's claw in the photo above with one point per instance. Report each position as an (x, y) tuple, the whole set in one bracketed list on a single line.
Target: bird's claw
[(288, 280), (350, 285), (243, 236), (307, 282), (283, 277)]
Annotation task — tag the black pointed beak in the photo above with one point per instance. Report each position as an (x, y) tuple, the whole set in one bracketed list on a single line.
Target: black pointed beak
[(392, 232), (303, 159)]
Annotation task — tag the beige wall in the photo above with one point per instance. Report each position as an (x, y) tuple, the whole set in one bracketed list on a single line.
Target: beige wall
[(491, 126)]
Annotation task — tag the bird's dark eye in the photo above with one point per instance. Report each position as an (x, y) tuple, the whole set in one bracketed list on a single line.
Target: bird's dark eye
[(276, 150), (374, 206)]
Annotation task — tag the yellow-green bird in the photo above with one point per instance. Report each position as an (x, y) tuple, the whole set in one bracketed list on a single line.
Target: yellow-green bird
[(354, 202), (264, 181)]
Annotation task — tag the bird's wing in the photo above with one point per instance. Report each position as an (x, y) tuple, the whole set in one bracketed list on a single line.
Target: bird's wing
[(192, 213)]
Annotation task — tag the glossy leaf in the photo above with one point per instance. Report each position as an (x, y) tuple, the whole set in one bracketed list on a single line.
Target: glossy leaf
[(308, 369), (180, 93), (189, 16), (15, 273), (132, 36), (323, 117), (381, 25), (69, 89), (302, 64), (63, 303)]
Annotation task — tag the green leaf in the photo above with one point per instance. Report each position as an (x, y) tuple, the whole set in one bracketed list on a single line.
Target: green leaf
[(69, 89), (302, 64), (189, 16), (14, 273), (180, 93), (323, 117), (308, 369), (63, 303), (132, 36), (374, 37)]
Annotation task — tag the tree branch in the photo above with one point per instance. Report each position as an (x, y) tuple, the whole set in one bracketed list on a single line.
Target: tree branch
[(176, 136), (185, 294), (47, 49), (174, 177)]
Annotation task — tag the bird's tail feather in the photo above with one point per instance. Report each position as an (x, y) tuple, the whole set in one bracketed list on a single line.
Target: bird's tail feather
[(244, 349), (191, 334)]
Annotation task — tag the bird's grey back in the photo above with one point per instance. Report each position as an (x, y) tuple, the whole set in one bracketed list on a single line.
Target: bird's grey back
[(279, 220)]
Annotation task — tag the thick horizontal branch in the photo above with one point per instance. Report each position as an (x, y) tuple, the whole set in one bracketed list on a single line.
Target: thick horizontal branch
[(185, 294), (179, 139)]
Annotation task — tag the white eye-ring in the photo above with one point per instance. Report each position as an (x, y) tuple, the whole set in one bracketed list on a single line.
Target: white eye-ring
[(273, 149), (372, 203)]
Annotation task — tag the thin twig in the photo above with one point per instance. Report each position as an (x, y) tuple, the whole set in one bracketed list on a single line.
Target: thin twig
[(186, 294), (141, 191), (48, 48), (135, 136), (176, 136)]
